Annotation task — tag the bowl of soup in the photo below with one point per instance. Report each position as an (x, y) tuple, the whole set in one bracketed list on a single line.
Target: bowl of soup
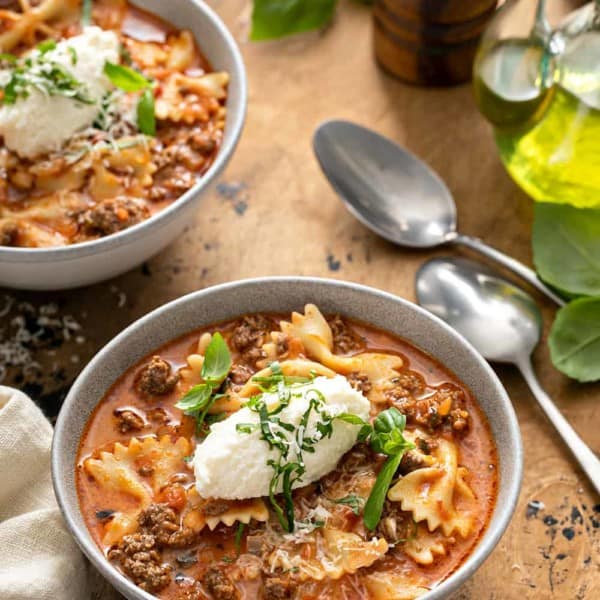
[(287, 438), (115, 117)]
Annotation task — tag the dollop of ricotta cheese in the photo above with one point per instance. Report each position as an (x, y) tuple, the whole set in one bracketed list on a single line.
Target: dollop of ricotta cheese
[(42, 123), (233, 464)]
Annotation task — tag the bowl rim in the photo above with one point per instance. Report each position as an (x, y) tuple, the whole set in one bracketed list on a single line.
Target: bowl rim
[(142, 229), (484, 546)]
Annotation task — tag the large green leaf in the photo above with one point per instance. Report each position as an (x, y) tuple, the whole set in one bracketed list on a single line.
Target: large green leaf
[(566, 248), (575, 339), (277, 18)]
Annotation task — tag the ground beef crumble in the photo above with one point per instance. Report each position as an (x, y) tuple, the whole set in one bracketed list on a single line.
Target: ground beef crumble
[(360, 382), (219, 585), (277, 588), (445, 407), (9, 233), (128, 420), (239, 374), (141, 561), (156, 378), (395, 524), (345, 339), (249, 336), (139, 554), (112, 215)]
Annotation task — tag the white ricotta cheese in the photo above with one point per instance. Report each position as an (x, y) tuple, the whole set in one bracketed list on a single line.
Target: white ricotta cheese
[(232, 464), (41, 123)]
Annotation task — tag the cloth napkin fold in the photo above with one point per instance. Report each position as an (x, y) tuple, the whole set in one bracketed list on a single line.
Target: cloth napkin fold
[(39, 560)]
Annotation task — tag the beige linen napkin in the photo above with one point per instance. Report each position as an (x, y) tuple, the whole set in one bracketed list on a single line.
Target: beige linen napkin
[(39, 559)]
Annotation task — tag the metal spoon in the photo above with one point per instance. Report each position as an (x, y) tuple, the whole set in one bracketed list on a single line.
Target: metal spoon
[(398, 196), (503, 323)]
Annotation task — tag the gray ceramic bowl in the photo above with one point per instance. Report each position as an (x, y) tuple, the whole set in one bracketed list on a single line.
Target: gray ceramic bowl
[(284, 295), (90, 262)]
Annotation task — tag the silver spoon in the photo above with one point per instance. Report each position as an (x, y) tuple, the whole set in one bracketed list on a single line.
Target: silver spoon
[(398, 196), (503, 323)]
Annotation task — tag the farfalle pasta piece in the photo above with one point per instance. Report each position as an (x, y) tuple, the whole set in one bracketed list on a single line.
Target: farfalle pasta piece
[(118, 471), (348, 552), (197, 516), (425, 546), (181, 51), (191, 99), (430, 493), (328, 554), (107, 163), (394, 586), (315, 334)]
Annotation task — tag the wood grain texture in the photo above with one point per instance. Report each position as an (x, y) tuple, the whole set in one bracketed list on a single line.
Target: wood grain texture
[(274, 214)]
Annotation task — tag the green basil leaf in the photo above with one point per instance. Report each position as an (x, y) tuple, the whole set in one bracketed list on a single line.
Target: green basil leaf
[(146, 119), (388, 420), (273, 19), (217, 360), (6, 56), (566, 248), (125, 78), (196, 399), (374, 505), (575, 340)]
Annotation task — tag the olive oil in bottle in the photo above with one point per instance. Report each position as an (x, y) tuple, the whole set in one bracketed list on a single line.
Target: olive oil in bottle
[(543, 99)]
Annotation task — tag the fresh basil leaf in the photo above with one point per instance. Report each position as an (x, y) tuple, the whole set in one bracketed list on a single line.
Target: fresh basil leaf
[(125, 78), (146, 119), (6, 56), (86, 12), (217, 360), (273, 19), (388, 420), (374, 505), (566, 248), (196, 399), (387, 435), (575, 340)]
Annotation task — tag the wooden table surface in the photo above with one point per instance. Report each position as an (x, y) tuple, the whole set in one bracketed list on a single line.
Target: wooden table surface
[(273, 213)]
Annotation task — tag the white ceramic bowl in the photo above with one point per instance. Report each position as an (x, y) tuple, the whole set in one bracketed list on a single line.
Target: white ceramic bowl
[(94, 261), (282, 295)]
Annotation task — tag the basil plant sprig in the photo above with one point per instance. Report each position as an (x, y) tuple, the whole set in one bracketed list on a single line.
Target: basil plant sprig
[(216, 367), (129, 80), (386, 438)]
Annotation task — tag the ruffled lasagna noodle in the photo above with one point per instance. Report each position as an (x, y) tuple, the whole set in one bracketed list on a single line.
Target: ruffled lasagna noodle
[(112, 173), (140, 503)]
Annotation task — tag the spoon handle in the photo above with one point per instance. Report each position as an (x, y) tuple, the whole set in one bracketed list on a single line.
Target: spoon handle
[(581, 451), (511, 264)]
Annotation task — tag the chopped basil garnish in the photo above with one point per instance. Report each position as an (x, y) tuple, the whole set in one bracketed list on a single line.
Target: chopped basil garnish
[(39, 72), (353, 501)]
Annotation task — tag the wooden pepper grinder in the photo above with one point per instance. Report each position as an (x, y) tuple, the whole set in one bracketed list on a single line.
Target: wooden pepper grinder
[(430, 42)]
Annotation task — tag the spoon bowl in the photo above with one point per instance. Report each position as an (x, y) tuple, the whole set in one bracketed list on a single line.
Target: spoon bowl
[(396, 195), (384, 186), (504, 324), (498, 318)]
